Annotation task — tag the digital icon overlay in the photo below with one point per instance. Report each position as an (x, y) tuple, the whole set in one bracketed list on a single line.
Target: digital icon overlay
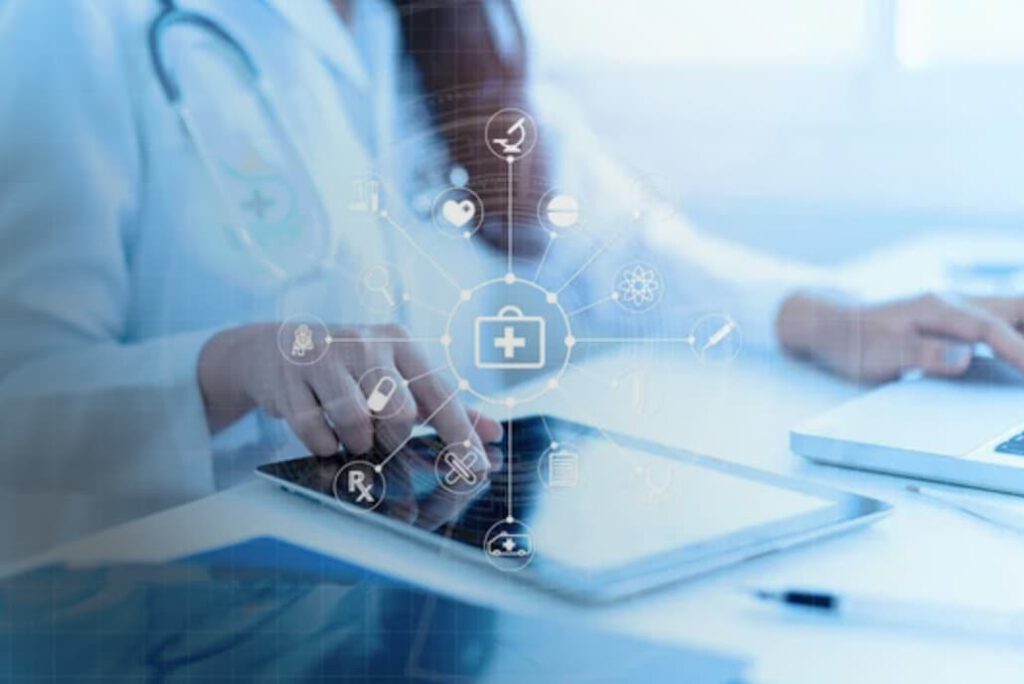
[(302, 339), (360, 484), (509, 340), (381, 288), (508, 545), (511, 134), (559, 467), (534, 334), (717, 339), (638, 287), (559, 212), (506, 340), (367, 196), (385, 396), (458, 212), (459, 468)]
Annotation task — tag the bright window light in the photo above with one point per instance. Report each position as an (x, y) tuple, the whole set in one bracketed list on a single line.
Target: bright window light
[(702, 32), (946, 32)]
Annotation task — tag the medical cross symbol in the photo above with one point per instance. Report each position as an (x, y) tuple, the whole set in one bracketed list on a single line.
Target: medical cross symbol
[(508, 343), (508, 545), (258, 204)]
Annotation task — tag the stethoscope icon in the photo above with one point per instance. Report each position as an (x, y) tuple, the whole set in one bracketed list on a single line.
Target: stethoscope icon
[(315, 262)]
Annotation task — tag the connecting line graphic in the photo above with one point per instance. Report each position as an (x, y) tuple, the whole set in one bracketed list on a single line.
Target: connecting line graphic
[(341, 340), (426, 255), (380, 466), (476, 422), (689, 339), (595, 423), (593, 257), (544, 257), (610, 298), (547, 428), (426, 307), (421, 376), (583, 370), (508, 208), (511, 470)]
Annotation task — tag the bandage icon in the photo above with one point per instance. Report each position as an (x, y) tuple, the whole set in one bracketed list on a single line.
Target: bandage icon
[(460, 469), (381, 394)]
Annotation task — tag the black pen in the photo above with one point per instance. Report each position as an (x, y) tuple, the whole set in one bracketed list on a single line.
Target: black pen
[(897, 612)]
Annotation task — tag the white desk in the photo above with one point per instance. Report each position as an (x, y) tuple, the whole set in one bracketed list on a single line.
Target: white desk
[(742, 412)]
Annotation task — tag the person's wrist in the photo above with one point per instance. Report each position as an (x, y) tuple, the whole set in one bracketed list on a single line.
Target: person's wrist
[(223, 386), (803, 317)]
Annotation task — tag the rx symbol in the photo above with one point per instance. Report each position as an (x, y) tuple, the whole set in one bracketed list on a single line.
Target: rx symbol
[(357, 483)]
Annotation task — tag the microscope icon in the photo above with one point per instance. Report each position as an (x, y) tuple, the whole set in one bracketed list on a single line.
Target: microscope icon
[(516, 131)]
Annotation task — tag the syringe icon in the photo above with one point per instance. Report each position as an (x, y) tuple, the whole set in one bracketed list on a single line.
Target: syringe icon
[(718, 336)]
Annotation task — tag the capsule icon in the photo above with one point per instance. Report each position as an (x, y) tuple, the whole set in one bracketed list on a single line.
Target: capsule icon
[(381, 394)]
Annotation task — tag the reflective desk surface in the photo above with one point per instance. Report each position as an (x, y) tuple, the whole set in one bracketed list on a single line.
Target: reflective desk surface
[(741, 412)]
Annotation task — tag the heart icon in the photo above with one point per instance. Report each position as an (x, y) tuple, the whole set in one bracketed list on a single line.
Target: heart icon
[(458, 213)]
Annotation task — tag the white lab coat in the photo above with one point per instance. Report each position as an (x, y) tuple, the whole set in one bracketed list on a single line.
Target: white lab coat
[(114, 272)]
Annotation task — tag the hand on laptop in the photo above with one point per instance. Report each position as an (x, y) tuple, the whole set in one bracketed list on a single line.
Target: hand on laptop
[(878, 342), (326, 401)]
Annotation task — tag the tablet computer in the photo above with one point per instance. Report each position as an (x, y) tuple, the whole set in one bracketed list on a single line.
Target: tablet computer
[(577, 511)]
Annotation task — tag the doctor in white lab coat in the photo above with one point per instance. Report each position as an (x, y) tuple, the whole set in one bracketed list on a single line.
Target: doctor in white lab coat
[(139, 362)]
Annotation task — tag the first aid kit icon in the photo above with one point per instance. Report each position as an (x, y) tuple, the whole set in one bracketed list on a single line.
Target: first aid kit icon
[(509, 340)]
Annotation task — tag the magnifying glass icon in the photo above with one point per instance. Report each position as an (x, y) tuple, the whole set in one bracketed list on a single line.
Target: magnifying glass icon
[(378, 280)]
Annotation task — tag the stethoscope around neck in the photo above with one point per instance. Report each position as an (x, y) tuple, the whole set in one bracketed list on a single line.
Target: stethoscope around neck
[(171, 16)]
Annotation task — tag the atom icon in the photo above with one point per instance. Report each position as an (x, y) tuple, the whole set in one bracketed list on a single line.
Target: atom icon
[(638, 287)]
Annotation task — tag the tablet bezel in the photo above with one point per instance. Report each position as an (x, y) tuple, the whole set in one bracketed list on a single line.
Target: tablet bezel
[(685, 562)]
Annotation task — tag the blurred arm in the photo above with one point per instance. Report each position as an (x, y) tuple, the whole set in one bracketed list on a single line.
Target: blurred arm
[(80, 410)]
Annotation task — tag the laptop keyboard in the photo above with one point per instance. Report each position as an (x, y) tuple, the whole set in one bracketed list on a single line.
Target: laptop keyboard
[(1014, 445)]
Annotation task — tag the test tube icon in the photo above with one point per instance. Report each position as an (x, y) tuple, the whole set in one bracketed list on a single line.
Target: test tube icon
[(381, 394)]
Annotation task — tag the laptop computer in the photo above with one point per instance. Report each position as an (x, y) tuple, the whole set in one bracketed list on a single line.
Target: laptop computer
[(968, 431)]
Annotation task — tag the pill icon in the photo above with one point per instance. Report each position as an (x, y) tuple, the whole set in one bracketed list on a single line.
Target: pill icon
[(381, 394)]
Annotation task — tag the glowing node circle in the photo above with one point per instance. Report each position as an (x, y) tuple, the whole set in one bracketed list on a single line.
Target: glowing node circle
[(461, 325)]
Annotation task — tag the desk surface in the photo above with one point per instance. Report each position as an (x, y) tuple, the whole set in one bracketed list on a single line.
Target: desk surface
[(741, 412)]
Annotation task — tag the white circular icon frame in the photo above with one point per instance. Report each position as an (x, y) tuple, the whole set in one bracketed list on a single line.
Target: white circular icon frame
[(465, 231), (289, 339), (369, 386), (508, 563), (493, 136), (440, 464), (378, 476), (718, 324), (545, 221), (551, 299)]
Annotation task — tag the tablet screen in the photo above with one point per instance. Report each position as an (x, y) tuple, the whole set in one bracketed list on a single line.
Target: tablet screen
[(582, 504)]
